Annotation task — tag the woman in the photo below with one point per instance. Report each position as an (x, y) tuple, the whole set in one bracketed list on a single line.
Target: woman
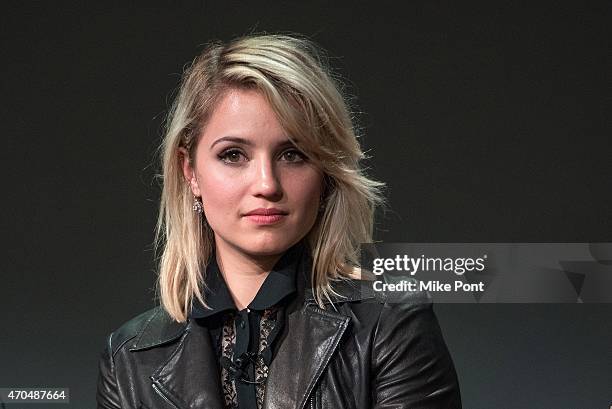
[(263, 208)]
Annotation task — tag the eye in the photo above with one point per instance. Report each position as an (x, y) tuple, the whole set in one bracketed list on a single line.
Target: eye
[(293, 155), (231, 156)]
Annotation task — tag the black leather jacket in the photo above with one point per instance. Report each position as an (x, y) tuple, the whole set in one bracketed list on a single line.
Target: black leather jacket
[(371, 351)]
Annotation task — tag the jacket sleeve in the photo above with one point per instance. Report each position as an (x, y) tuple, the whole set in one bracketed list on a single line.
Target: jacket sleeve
[(107, 395), (412, 366)]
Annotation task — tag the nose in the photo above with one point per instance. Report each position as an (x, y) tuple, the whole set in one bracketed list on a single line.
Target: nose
[(266, 181)]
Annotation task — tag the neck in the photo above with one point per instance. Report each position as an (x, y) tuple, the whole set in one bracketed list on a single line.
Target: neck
[(243, 274)]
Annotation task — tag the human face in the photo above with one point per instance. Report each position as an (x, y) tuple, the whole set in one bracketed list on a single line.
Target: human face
[(244, 162)]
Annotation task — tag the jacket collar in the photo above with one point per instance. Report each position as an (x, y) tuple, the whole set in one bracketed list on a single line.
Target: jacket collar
[(158, 330), (162, 329), (190, 378)]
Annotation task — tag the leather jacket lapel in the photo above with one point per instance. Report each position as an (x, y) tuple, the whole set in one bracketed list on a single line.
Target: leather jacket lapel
[(190, 378), (312, 336)]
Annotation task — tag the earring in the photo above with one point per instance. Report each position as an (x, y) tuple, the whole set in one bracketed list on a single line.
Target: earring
[(198, 206)]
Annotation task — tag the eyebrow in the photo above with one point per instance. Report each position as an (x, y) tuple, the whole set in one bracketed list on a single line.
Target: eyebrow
[(232, 139), (246, 142)]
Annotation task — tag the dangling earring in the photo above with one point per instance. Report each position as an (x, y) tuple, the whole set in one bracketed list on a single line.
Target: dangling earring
[(198, 206)]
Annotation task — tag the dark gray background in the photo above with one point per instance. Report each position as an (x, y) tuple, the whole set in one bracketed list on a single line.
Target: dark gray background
[(489, 121)]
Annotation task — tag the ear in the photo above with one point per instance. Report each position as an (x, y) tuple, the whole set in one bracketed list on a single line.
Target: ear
[(189, 172)]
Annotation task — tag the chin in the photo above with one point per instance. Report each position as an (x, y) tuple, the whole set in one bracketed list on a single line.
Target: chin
[(269, 245), (267, 250)]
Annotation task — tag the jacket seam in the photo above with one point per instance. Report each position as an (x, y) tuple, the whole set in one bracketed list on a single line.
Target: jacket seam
[(374, 396), (144, 327), (376, 334), (111, 359), (111, 354)]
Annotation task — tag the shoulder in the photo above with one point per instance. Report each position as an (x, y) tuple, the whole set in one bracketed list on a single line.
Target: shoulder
[(405, 332), (407, 351), (370, 306), (145, 330), (399, 290)]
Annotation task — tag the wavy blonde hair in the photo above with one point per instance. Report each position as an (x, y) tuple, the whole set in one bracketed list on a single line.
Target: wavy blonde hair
[(291, 73)]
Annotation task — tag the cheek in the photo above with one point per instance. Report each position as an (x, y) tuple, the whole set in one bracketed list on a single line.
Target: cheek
[(306, 188), (215, 188), (216, 192)]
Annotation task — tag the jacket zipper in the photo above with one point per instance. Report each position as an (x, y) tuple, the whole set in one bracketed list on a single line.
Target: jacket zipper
[(312, 405), (159, 392)]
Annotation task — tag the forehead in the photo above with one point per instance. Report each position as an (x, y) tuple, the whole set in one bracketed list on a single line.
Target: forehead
[(245, 114)]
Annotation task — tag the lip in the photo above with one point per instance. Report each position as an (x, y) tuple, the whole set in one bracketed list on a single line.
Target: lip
[(272, 211), (266, 215)]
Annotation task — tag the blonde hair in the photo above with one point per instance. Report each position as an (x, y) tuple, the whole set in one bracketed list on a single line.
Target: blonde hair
[(290, 72)]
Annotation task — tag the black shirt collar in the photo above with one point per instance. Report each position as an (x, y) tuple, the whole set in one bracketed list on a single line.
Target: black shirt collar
[(280, 283)]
